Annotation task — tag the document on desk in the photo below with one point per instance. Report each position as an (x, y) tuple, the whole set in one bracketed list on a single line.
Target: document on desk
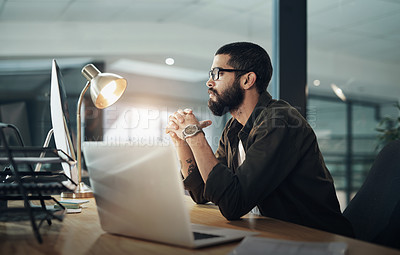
[(72, 205), (266, 246)]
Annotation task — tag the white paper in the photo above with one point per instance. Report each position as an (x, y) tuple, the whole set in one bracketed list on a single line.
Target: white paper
[(266, 246)]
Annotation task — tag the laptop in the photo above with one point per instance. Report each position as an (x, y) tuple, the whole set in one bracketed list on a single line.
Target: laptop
[(139, 193)]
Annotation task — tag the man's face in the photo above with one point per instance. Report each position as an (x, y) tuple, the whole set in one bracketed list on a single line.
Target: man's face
[(226, 94)]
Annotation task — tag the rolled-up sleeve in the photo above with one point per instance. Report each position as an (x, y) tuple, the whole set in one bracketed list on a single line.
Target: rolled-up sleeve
[(194, 184)]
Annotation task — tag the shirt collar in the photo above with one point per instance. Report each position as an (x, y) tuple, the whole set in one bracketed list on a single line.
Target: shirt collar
[(235, 127)]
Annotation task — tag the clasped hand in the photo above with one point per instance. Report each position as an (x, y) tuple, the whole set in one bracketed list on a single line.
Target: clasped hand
[(181, 119)]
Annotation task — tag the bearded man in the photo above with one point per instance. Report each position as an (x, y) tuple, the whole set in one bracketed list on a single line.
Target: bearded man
[(268, 160)]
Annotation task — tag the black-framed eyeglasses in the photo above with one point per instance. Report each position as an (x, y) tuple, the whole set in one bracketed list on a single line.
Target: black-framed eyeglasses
[(214, 73)]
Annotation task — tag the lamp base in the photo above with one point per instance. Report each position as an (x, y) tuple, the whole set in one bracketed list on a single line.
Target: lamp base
[(82, 191)]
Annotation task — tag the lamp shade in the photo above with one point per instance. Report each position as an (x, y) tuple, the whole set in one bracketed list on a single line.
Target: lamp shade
[(105, 88)]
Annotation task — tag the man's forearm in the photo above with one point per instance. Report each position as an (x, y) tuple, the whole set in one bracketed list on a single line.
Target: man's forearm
[(195, 150), (186, 158), (203, 154)]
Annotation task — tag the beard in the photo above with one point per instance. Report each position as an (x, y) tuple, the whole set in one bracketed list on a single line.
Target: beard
[(229, 100)]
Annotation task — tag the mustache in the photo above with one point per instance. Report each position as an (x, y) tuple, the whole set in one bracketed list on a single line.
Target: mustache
[(213, 91)]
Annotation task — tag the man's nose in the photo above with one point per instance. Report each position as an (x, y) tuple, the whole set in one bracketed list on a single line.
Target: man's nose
[(210, 83)]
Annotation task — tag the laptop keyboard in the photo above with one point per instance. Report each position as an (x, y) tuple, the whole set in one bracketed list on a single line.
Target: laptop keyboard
[(199, 236)]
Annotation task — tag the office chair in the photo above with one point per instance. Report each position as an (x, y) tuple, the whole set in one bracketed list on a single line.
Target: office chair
[(375, 210)]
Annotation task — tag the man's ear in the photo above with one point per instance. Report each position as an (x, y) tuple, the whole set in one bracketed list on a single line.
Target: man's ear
[(249, 79)]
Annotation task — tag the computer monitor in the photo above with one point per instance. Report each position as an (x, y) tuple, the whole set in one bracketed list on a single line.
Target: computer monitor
[(60, 119)]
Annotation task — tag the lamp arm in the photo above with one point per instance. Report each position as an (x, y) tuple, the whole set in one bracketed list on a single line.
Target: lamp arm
[(78, 131)]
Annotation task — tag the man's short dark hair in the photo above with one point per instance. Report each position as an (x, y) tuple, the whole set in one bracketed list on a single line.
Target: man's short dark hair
[(250, 57)]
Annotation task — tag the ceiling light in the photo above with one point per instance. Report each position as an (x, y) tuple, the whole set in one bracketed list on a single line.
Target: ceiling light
[(316, 83), (169, 61), (339, 93)]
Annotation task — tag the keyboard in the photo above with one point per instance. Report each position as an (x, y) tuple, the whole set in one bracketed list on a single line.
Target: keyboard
[(49, 188)]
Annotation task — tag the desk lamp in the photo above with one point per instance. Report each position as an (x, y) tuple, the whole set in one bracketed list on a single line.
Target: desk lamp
[(105, 90)]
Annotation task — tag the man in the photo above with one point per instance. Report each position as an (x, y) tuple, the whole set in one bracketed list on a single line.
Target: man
[(268, 156)]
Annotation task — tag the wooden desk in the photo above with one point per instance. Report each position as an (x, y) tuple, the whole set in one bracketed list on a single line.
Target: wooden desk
[(81, 234)]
